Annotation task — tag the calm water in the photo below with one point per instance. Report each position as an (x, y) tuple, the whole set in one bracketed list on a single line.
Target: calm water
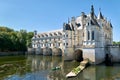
[(39, 68)]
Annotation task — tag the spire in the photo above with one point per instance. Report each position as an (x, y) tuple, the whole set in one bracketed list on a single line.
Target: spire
[(110, 24), (100, 16), (92, 11), (68, 20), (35, 32)]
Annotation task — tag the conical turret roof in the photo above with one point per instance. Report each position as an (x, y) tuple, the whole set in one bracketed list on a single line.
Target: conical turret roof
[(100, 16)]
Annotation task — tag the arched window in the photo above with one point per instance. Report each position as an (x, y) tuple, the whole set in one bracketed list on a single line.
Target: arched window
[(50, 44), (88, 35), (53, 44), (67, 44), (41, 45), (58, 44), (93, 35)]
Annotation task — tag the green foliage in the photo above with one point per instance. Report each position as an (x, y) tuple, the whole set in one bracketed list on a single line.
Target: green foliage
[(5, 29), (29, 36), (8, 59), (76, 70), (10, 65), (116, 43), (11, 40)]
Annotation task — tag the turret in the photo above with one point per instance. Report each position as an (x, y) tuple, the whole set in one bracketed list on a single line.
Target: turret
[(35, 33), (92, 12), (100, 16)]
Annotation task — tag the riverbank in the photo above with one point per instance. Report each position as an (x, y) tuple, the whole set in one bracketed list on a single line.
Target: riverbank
[(10, 65), (12, 53), (31, 67)]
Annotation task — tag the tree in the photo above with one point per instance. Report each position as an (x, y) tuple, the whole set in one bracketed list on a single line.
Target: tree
[(116, 43), (5, 41), (29, 37), (11, 40)]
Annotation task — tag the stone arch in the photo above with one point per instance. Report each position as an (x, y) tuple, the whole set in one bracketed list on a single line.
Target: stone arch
[(60, 51), (78, 55), (56, 51), (47, 51), (39, 51)]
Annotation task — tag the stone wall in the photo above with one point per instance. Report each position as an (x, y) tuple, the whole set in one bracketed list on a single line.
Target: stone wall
[(31, 51), (69, 54), (39, 51), (89, 53), (46, 51), (57, 52), (95, 55), (115, 52), (99, 55)]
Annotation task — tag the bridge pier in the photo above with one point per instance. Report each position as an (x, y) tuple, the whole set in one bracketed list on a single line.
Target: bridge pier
[(69, 54)]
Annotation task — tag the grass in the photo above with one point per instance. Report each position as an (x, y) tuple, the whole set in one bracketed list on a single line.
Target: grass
[(13, 64), (76, 70)]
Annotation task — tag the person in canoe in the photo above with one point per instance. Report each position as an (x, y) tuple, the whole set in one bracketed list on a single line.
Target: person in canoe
[(56, 68)]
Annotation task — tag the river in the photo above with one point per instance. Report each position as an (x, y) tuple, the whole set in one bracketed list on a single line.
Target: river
[(40, 68)]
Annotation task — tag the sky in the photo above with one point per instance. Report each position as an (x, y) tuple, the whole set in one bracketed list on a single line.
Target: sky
[(47, 15)]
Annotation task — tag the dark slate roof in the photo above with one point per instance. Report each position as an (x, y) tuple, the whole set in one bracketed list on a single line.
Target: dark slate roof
[(100, 16), (95, 17), (83, 14), (94, 22), (72, 27), (67, 27), (111, 25)]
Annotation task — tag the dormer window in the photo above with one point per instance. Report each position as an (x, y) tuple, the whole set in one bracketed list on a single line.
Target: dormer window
[(66, 35), (88, 24)]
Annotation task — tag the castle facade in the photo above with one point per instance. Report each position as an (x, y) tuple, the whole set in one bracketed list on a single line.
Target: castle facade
[(87, 32)]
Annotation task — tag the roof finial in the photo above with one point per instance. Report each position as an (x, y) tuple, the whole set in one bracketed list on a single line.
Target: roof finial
[(92, 9), (99, 9), (100, 16), (35, 32), (68, 20)]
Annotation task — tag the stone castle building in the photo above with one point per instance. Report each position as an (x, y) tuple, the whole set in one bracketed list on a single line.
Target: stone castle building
[(87, 32)]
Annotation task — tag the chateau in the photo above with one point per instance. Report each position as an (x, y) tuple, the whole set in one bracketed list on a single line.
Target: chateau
[(89, 33)]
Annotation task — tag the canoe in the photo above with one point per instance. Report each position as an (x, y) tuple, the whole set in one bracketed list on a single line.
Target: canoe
[(56, 68)]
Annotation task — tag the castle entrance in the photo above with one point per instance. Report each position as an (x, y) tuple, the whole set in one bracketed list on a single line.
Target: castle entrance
[(78, 55)]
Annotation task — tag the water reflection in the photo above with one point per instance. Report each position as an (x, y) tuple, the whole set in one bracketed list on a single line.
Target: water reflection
[(40, 68), (44, 64), (98, 72)]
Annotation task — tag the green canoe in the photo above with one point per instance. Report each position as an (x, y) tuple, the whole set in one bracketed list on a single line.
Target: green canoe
[(56, 68)]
